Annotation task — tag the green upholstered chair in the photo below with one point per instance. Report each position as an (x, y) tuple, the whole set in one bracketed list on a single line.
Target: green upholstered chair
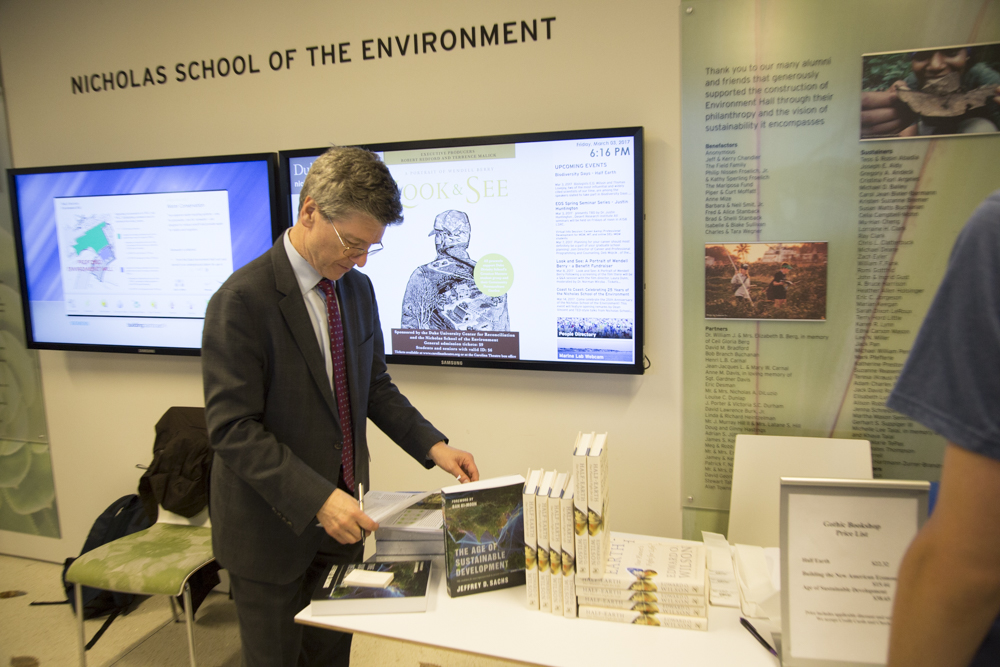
[(157, 561)]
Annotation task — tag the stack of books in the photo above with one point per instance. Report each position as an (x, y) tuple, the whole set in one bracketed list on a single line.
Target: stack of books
[(415, 531), (648, 581)]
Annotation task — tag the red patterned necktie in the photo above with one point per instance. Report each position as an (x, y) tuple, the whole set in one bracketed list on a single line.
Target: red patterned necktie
[(340, 380)]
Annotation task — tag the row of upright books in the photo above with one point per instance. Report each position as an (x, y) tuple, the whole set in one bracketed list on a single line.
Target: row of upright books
[(566, 526), (549, 542)]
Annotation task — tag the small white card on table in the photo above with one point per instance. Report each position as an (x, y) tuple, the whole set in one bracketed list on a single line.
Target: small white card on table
[(367, 579)]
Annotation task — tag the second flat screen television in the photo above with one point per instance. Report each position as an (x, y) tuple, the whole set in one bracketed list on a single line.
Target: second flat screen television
[(123, 257), (517, 251)]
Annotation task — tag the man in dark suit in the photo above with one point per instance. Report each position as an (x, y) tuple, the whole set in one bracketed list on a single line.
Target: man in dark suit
[(292, 342)]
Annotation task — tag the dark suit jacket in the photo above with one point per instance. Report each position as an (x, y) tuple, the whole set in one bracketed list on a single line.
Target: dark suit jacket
[(272, 417)]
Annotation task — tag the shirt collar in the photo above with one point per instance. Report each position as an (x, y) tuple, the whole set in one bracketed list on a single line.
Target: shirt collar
[(305, 274)]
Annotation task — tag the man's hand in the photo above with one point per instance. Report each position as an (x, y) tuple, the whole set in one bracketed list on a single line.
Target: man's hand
[(455, 462), (342, 518), (882, 114)]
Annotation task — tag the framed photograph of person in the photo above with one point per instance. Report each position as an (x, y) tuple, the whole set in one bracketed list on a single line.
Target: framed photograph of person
[(931, 92), (766, 281)]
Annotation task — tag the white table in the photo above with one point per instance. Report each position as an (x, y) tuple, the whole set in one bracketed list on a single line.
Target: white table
[(499, 624)]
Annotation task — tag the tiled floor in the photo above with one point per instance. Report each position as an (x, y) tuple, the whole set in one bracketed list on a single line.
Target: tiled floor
[(148, 637)]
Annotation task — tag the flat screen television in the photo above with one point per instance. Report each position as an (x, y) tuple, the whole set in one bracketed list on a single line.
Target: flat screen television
[(123, 257), (517, 251)]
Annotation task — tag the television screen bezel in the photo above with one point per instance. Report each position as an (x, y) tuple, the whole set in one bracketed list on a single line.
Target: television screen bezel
[(277, 227), (637, 367)]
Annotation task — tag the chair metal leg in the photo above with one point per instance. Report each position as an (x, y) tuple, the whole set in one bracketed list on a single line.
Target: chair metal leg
[(173, 609), (80, 637), (189, 617)]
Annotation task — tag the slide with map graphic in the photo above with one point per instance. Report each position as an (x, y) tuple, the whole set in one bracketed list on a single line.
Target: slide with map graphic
[(159, 255), (94, 234), (124, 257)]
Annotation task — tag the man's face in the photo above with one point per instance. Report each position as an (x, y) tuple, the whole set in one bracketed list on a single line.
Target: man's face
[(930, 65), (322, 247)]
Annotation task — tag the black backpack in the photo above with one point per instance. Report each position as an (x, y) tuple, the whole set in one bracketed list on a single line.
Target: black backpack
[(123, 517)]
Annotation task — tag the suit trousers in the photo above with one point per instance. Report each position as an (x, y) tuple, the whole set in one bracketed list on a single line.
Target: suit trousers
[(270, 636)]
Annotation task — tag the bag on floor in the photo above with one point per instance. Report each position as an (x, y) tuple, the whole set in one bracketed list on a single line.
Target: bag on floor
[(123, 517)]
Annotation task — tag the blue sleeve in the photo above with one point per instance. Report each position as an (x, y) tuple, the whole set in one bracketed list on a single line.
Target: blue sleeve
[(951, 380)]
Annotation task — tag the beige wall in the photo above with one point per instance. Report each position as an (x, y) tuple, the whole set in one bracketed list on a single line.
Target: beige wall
[(606, 65)]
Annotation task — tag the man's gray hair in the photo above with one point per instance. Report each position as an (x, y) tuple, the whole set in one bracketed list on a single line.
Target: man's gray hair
[(347, 180)]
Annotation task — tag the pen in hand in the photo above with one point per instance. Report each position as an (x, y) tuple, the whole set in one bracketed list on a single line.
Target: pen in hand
[(756, 635), (361, 506)]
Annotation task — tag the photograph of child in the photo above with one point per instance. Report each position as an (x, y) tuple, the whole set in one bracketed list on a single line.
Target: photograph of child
[(946, 90), (766, 281)]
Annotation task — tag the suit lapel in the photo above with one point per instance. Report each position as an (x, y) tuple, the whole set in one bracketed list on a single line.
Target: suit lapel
[(293, 308)]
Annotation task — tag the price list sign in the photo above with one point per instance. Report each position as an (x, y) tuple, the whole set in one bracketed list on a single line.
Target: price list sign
[(842, 542)]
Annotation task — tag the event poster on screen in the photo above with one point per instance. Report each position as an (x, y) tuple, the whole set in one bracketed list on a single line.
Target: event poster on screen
[(509, 252)]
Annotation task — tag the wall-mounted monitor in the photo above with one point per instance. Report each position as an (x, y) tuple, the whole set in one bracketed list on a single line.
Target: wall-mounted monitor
[(123, 257), (517, 251)]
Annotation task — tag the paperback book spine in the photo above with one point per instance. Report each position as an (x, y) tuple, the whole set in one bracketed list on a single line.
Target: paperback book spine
[(693, 588), (639, 618), (530, 542), (625, 594), (555, 549), (650, 607), (580, 503), (568, 544), (542, 535), (597, 506), (569, 596)]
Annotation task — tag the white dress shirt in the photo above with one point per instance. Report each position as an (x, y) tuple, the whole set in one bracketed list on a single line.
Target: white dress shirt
[(308, 279)]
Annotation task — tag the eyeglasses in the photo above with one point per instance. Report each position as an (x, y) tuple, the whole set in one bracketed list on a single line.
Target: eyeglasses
[(349, 251)]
